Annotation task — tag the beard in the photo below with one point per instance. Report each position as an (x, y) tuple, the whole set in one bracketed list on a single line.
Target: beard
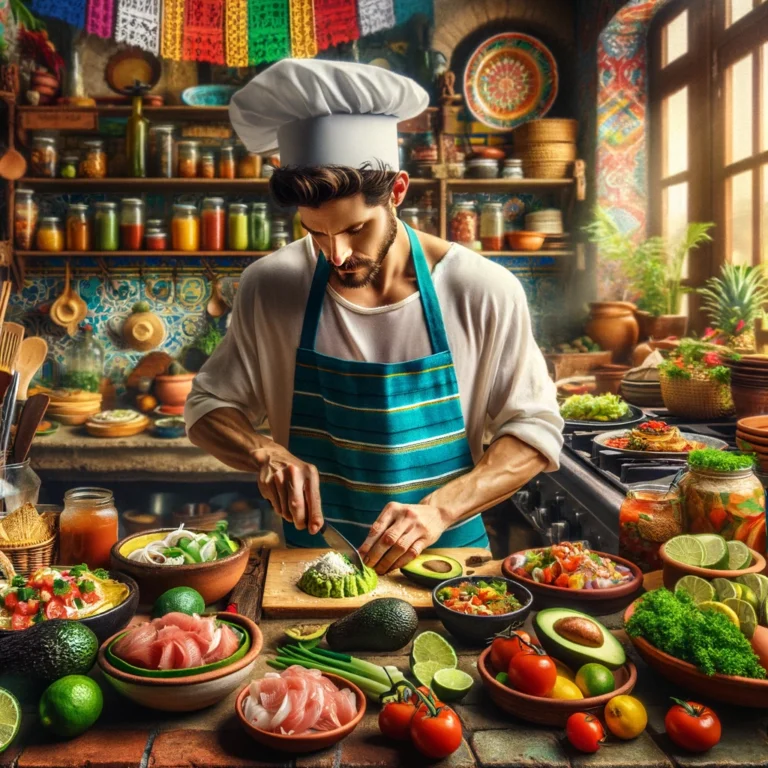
[(367, 270)]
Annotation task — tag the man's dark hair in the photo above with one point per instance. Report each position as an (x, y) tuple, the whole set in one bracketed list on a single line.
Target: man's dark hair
[(311, 187)]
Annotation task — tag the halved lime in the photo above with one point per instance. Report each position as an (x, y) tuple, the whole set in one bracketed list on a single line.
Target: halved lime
[(757, 583), (726, 589), (746, 614), (451, 684), (748, 596), (764, 613), (715, 551), (429, 646), (699, 589), (10, 718), (739, 556), (686, 549), (424, 671), (727, 611)]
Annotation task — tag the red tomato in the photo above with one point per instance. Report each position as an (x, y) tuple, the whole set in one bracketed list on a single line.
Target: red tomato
[(562, 580), (395, 720), (692, 726), (32, 606), (532, 673), (503, 649), (20, 622), (428, 692), (436, 736), (89, 597), (11, 600), (585, 732), (55, 609), (23, 608)]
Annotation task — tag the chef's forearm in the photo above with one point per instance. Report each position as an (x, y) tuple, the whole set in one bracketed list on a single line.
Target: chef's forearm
[(506, 466)]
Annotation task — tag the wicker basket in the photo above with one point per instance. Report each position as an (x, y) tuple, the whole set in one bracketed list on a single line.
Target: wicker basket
[(552, 129), (557, 151), (696, 398), (547, 170), (30, 557)]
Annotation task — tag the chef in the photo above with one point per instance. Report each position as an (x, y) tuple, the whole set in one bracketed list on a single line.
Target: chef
[(380, 356)]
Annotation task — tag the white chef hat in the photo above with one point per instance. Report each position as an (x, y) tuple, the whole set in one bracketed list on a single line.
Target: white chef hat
[(326, 112)]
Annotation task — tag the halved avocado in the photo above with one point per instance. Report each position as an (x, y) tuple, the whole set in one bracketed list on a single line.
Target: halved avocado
[(430, 570), (576, 638), (305, 633)]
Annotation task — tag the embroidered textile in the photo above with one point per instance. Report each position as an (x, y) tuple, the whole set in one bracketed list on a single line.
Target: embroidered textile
[(404, 9), (375, 15), (268, 30), (335, 23), (303, 43), (100, 17), (204, 31), (173, 26), (138, 23), (236, 33), (71, 11)]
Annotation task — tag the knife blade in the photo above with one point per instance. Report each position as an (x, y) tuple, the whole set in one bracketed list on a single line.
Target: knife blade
[(335, 540), (9, 408)]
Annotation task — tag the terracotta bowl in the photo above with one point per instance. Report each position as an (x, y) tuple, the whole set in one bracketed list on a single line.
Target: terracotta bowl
[(525, 241), (212, 580), (596, 602), (741, 691), (609, 377), (543, 711), (756, 426), (186, 694), (309, 742), (753, 443), (673, 571), (173, 390)]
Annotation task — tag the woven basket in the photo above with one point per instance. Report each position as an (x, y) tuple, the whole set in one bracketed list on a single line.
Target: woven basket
[(546, 170), (551, 129), (558, 151), (696, 398), (30, 557)]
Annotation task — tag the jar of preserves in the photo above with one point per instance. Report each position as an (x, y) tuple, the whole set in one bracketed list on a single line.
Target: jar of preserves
[(88, 527), (25, 213), (213, 224), (84, 362), (50, 234), (513, 168), (163, 151), (464, 224), (131, 224), (482, 168), (68, 165), (189, 159), (260, 227), (207, 164), (279, 234), (106, 236), (44, 157), (227, 162), (410, 216), (185, 228), (249, 166), (238, 227), (156, 239), (93, 163), (155, 224), (78, 228), (492, 227)]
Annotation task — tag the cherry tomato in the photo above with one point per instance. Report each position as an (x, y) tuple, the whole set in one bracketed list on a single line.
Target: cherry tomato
[(395, 720), (692, 726), (532, 673), (23, 608), (585, 732), (55, 609), (11, 600), (32, 606), (436, 736), (20, 622), (89, 597), (503, 649)]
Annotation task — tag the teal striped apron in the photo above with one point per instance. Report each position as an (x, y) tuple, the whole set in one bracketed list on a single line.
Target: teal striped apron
[(379, 432)]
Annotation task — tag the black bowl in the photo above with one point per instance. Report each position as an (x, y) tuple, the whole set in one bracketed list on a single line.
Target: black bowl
[(478, 630)]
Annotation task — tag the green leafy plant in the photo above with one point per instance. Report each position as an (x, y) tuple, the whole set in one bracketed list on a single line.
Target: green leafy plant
[(695, 359), (720, 461), (735, 299), (209, 339)]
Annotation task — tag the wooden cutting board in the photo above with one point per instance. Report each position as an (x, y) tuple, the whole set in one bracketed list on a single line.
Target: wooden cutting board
[(283, 599)]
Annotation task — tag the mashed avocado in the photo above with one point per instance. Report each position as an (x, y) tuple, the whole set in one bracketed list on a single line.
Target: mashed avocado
[(333, 575)]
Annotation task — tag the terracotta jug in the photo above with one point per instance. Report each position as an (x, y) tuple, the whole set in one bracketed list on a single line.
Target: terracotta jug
[(613, 325)]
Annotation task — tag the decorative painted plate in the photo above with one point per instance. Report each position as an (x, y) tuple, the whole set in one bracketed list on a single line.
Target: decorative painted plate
[(509, 79)]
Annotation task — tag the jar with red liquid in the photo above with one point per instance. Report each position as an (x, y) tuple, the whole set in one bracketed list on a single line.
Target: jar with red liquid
[(492, 227), (213, 224), (156, 239), (464, 224), (131, 224), (87, 527)]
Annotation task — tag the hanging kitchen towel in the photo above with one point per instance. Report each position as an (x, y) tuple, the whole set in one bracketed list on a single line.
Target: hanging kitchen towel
[(138, 23), (100, 17), (71, 11), (335, 23), (173, 26), (303, 43), (404, 9), (236, 33), (204, 31), (375, 15), (269, 37)]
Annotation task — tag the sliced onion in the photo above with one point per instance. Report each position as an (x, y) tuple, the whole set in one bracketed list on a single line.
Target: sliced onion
[(173, 538), (208, 551), (283, 712)]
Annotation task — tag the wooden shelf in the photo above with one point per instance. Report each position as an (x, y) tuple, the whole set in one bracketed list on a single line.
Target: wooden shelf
[(240, 185), (532, 254), (174, 110), (143, 254), (485, 185)]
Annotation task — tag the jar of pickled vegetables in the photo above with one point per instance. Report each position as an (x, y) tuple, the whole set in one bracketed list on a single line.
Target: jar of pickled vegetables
[(279, 234), (464, 224), (213, 224), (156, 240), (649, 516), (78, 228), (207, 164), (492, 227), (93, 164), (25, 213), (227, 162), (106, 235), (249, 166), (50, 235), (68, 165), (189, 159), (163, 150), (260, 227), (238, 227), (131, 223), (185, 228), (44, 157)]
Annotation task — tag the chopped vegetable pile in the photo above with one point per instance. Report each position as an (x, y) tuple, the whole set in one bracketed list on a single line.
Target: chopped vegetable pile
[(182, 547), (594, 408), (479, 599), (720, 461)]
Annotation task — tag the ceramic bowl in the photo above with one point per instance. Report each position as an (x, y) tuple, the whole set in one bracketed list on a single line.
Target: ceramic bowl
[(170, 427), (309, 742), (544, 711), (213, 580), (186, 694), (522, 240), (477, 630), (208, 95), (750, 443), (672, 571), (596, 602), (756, 426)]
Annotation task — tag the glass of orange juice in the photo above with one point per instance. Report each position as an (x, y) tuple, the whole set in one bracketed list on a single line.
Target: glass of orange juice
[(87, 527)]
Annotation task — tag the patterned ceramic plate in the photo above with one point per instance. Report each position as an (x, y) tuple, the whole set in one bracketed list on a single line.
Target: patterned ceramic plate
[(510, 78)]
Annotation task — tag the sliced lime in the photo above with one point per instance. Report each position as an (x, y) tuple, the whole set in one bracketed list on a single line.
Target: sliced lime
[(749, 596), (764, 613), (424, 671), (451, 684), (726, 589), (739, 556), (715, 551), (746, 614), (726, 610), (10, 718), (429, 646), (699, 589), (757, 583), (685, 549)]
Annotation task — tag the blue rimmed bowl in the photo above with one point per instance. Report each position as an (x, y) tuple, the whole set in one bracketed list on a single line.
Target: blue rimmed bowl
[(208, 95)]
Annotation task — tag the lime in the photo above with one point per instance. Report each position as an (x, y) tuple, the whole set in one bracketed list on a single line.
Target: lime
[(699, 589), (179, 600), (503, 678), (685, 549), (429, 646), (595, 679), (71, 705), (757, 583), (424, 671), (748, 596), (764, 613), (739, 556), (729, 613), (451, 684), (726, 589), (746, 614), (10, 718), (738, 587), (715, 551)]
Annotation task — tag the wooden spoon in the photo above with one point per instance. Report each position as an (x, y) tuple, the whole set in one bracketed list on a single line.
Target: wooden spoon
[(63, 312), (13, 165), (32, 355)]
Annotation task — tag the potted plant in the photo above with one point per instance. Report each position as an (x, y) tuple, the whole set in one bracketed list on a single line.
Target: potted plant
[(173, 388), (654, 268), (733, 301)]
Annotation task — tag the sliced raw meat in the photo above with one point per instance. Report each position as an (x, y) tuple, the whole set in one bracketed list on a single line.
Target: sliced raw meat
[(228, 643), (272, 692), (180, 620), (187, 652), (346, 706), (167, 650)]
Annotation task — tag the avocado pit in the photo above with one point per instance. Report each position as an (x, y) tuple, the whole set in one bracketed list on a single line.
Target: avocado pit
[(580, 631), (437, 566)]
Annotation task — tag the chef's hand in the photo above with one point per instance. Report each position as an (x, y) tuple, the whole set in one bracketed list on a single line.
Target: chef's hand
[(292, 487), (402, 532)]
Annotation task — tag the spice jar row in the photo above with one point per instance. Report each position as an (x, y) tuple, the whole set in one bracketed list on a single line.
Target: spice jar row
[(483, 231)]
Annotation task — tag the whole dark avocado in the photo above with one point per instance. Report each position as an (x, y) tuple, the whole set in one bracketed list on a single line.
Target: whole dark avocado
[(429, 570), (386, 624)]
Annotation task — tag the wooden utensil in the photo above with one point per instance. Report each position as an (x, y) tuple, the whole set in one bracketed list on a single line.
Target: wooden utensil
[(11, 336), (29, 421), (31, 357), (5, 295), (216, 304), (13, 165), (9, 408), (69, 309)]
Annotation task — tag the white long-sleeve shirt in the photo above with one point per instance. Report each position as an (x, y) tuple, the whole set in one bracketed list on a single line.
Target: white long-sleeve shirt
[(504, 387)]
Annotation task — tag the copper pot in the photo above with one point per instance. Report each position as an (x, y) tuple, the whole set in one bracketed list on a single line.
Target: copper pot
[(612, 324)]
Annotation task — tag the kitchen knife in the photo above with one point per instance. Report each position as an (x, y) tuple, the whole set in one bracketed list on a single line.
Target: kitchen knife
[(336, 541), (9, 408), (31, 416)]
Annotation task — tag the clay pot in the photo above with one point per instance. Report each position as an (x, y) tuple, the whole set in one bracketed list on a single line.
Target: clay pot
[(661, 327), (608, 379), (749, 401), (612, 324), (173, 390)]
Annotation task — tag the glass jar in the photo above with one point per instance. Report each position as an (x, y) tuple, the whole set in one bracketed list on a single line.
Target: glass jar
[(44, 157), (84, 362), (267, 170), (213, 224), (298, 227), (163, 151), (185, 228), (156, 240), (410, 216), (155, 224), (482, 168), (260, 227), (279, 234), (78, 228), (513, 168), (492, 227), (428, 221), (131, 224), (649, 516), (68, 165), (464, 224), (208, 164), (25, 213), (227, 162), (189, 159), (21, 485), (249, 166), (50, 234), (238, 227), (106, 236), (93, 163), (87, 527)]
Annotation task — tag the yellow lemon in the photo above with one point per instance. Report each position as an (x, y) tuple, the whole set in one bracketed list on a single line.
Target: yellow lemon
[(563, 671), (625, 717), (565, 689)]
